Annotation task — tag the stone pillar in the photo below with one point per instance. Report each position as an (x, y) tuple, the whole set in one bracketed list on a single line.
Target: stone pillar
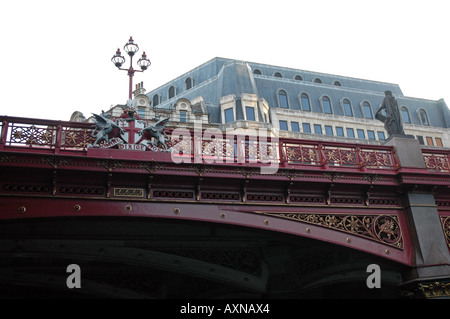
[(431, 255)]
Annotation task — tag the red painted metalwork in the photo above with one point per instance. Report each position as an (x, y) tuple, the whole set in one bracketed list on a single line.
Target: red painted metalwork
[(343, 193)]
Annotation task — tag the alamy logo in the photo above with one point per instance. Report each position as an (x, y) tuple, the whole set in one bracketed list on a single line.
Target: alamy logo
[(74, 279), (374, 279)]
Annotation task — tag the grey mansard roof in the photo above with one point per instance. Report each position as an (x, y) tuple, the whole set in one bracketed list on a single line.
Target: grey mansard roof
[(221, 77)]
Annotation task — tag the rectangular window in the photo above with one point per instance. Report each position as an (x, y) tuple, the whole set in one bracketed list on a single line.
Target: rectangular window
[(430, 141), (317, 129), (183, 116), (361, 134), (381, 136), (229, 115), (329, 130), (439, 142), (141, 113), (371, 134), (283, 126), (306, 127), (339, 131), (420, 138), (295, 127), (250, 112), (350, 132)]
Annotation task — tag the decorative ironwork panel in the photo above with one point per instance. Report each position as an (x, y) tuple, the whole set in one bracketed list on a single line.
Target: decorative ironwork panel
[(377, 158), (380, 228), (32, 135), (302, 154), (77, 138), (173, 194), (436, 162), (340, 156)]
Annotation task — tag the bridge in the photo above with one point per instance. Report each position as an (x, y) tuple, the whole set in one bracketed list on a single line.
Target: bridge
[(220, 216)]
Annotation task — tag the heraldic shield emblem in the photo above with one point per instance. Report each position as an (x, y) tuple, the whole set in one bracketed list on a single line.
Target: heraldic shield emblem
[(130, 132)]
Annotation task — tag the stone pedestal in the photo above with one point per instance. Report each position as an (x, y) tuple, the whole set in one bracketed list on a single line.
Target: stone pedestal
[(407, 149), (431, 255)]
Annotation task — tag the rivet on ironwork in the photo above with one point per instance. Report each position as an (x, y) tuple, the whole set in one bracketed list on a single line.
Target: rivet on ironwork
[(266, 222), (76, 208), (176, 211), (387, 252), (348, 240), (128, 208), (308, 230), (22, 209), (222, 215)]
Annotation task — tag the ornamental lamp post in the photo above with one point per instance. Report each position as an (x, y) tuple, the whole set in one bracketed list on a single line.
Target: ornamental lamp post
[(131, 48)]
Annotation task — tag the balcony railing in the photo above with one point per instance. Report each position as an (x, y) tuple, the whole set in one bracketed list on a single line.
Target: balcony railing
[(63, 137)]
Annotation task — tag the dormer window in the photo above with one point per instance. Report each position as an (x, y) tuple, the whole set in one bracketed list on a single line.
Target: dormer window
[(423, 117), (278, 75), (229, 115), (250, 113), (283, 99), (326, 105), (188, 84), (347, 108), (156, 99), (367, 110), (172, 92), (405, 115)]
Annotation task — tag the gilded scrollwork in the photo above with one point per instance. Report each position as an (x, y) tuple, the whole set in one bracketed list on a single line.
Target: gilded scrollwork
[(385, 229), (445, 222), (435, 289)]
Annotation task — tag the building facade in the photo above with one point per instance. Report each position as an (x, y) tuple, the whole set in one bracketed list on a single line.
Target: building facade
[(235, 95)]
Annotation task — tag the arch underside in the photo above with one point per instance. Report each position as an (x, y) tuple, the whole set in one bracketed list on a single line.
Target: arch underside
[(136, 257)]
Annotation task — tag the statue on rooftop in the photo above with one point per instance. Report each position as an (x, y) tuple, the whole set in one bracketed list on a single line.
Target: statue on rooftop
[(392, 120)]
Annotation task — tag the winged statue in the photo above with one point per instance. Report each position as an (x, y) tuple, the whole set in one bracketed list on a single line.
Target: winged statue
[(106, 129), (155, 131)]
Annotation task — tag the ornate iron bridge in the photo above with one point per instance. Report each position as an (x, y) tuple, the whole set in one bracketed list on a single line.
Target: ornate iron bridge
[(346, 194)]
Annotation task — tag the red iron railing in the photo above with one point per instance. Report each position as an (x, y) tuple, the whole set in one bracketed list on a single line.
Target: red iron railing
[(48, 136)]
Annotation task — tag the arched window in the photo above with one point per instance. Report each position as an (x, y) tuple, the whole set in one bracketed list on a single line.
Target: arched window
[(256, 71), (278, 75), (156, 99), (304, 102), (317, 80), (405, 115), (423, 117), (188, 84), (283, 99), (326, 105), (337, 83), (367, 110), (298, 78), (347, 107), (171, 92)]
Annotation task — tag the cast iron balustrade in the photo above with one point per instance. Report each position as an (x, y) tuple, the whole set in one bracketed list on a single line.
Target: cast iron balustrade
[(73, 138)]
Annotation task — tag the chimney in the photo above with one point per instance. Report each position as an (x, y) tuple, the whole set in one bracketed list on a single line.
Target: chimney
[(139, 89)]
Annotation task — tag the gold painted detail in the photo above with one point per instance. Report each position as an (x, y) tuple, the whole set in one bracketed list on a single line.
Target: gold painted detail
[(445, 222), (380, 228), (436, 289), (129, 192)]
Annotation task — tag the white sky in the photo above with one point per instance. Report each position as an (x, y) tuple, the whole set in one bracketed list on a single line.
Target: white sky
[(56, 55)]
